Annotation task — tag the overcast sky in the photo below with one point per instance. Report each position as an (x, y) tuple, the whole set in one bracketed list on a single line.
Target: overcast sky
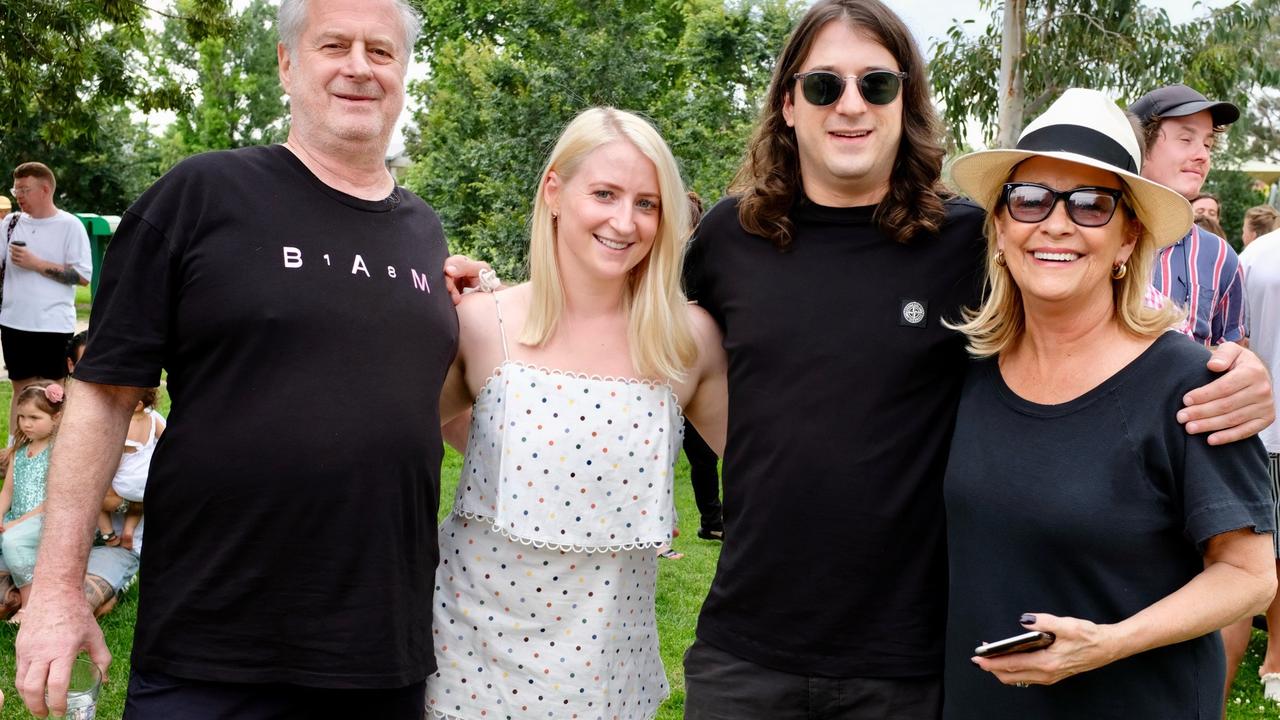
[(928, 22)]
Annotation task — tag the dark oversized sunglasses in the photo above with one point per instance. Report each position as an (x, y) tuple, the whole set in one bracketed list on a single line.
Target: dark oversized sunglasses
[(878, 87), (1086, 206)]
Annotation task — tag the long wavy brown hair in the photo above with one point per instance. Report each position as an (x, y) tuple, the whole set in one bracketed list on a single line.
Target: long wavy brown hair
[(769, 180)]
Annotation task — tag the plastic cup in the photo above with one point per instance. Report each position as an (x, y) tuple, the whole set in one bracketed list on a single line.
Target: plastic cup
[(82, 692)]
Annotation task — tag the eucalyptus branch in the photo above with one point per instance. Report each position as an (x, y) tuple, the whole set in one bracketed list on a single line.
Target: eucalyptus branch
[(1087, 18), (1050, 93), (161, 13)]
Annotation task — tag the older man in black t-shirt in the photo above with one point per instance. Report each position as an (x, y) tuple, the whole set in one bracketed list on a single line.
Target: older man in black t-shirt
[(830, 273), (294, 295)]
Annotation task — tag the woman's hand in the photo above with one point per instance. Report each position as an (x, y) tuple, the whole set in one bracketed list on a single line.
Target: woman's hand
[(1080, 646)]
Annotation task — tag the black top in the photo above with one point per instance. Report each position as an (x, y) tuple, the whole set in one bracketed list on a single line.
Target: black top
[(1096, 509), (842, 389), (292, 499)]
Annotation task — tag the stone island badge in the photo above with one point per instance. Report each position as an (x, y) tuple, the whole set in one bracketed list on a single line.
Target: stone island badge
[(914, 313)]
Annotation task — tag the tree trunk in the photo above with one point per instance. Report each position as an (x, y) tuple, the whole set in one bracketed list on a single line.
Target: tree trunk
[(1012, 100)]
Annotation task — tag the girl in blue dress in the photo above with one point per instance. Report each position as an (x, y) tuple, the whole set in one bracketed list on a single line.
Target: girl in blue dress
[(39, 408)]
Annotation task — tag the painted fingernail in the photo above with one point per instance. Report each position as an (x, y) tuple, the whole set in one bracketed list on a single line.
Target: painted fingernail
[(1027, 619)]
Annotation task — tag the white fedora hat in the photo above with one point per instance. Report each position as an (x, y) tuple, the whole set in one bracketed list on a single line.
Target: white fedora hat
[(1083, 127)]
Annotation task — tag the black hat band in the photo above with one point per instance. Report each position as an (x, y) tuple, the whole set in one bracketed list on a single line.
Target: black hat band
[(1081, 141)]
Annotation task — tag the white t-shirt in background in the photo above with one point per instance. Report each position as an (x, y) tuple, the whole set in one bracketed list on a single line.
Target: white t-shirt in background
[(1261, 262), (32, 301)]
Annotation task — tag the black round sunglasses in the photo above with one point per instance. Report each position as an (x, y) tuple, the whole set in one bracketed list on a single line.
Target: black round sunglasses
[(878, 87)]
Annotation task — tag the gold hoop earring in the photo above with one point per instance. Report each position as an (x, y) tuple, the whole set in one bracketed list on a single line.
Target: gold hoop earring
[(1118, 272), (999, 258)]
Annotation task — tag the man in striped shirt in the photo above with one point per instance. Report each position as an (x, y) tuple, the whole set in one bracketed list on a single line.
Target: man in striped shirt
[(1201, 273)]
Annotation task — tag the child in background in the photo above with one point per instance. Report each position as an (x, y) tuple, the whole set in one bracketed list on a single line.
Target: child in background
[(39, 408), (75, 350), (130, 482)]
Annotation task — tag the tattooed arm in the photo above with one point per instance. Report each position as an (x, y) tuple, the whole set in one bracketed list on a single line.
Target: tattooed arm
[(65, 274), (24, 258)]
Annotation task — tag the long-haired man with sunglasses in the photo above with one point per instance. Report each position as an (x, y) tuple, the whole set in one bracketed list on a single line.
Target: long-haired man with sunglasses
[(830, 271)]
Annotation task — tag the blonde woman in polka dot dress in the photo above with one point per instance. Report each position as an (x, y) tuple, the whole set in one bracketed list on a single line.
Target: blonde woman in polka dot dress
[(544, 603)]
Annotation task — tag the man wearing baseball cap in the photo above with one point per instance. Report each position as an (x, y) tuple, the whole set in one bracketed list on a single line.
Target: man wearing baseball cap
[(1201, 273)]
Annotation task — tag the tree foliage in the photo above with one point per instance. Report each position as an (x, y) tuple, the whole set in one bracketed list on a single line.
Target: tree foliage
[(1236, 193), (505, 77), (229, 82), (71, 71), (1120, 46)]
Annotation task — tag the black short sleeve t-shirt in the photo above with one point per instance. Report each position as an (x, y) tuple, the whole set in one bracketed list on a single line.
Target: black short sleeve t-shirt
[(843, 384), (1095, 508), (292, 500)]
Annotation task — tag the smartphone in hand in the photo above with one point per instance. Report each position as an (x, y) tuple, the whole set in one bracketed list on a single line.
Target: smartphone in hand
[(1026, 642)]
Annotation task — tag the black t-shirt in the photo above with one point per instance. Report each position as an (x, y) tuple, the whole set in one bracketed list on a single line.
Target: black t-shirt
[(1095, 508), (842, 392), (292, 499)]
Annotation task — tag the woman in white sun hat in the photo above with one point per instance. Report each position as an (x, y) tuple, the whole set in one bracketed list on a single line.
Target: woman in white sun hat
[(1077, 506)]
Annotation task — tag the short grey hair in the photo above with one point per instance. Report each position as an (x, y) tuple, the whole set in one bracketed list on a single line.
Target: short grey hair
[(292, 18)]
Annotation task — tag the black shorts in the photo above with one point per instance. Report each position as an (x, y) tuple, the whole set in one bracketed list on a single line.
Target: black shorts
[(1273, 468), (30, 355), (157, 696)]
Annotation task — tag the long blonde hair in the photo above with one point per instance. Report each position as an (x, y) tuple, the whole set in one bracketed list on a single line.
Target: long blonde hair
[(661, 339), (999, 322)]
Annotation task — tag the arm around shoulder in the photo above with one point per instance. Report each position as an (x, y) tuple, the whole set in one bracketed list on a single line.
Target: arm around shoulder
[(1235, 406), (708, 406)]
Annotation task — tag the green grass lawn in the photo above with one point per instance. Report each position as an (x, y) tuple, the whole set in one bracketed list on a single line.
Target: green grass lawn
[(682, 585), (83, 300)]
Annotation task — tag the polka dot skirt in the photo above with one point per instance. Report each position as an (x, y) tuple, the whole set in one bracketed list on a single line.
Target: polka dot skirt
[(544, 598)]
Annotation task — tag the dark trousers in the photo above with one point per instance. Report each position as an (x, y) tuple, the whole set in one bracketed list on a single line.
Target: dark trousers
[(156, 696), (721, 686), (705, 478)]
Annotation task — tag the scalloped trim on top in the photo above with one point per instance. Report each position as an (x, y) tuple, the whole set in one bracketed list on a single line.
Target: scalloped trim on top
[(497, 372), (562, 547)]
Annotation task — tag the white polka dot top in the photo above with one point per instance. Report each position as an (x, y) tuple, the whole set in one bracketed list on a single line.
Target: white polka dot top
[(572, 462)]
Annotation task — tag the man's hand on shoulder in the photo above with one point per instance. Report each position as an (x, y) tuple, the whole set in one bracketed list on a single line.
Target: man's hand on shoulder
[(1235, 406), (462, 273)]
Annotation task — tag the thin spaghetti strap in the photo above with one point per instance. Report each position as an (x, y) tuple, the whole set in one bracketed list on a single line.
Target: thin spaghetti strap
[(489, 283), (506, 356)]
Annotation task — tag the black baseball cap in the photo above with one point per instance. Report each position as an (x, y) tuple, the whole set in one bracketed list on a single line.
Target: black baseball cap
[(1180, 101)]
